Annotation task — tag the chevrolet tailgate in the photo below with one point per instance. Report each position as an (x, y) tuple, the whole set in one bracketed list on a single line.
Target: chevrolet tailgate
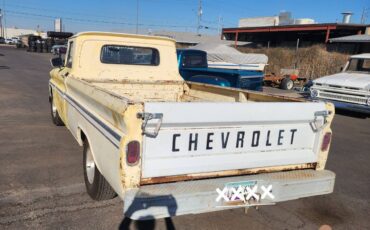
[(205, 137)]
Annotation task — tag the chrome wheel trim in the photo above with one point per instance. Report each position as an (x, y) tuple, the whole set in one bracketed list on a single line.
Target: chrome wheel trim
[(53, 109), (90, 166)]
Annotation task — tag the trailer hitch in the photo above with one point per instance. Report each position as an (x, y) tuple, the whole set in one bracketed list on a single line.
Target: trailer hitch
[(317, 124), (147, 117)]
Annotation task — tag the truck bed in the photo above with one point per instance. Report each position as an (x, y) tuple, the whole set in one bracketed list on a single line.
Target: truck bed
[(165, 97), (179, 91), (215, 114)]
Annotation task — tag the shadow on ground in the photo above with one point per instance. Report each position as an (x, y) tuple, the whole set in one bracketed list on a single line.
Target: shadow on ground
[(352, 114), (143, 202), (145, 224)]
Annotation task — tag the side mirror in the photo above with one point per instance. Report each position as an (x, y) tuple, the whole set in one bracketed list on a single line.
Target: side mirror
[(56, 62)]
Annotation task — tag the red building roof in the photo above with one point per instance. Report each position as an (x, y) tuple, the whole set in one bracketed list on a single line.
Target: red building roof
[(317, 33)]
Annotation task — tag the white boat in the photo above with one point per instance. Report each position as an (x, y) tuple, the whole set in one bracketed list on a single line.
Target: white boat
[(223, 56)]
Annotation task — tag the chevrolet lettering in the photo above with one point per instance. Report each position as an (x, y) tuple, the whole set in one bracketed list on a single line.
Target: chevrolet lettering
[(209, 141)]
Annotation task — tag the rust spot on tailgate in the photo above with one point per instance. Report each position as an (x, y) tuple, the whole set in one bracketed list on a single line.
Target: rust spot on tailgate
[(166, 179)]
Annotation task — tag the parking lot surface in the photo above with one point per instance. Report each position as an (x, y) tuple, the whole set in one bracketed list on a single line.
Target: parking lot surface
[(41, 176)]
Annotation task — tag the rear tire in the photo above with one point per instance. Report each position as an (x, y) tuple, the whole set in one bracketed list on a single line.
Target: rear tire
[(287, 84), (96, 186), (54, 114)]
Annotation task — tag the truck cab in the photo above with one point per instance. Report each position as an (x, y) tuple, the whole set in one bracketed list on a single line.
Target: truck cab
[(193, 66), (349, 89)]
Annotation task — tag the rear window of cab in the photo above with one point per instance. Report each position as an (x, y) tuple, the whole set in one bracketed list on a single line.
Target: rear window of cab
[(129, 55)]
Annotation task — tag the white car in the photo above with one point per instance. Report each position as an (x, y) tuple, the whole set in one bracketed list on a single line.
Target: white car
[(349, 89), (8, 41), (15, 40)]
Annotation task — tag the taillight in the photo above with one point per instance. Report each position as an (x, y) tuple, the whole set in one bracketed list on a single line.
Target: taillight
[(326, 142), (133, 152)]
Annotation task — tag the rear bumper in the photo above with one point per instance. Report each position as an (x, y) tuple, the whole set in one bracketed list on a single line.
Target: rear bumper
[(192, 197)]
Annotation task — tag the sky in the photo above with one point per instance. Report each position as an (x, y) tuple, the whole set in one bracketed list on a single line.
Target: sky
[(177, 15)]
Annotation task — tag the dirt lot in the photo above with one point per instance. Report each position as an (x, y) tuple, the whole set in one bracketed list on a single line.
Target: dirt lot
[(41, 180)]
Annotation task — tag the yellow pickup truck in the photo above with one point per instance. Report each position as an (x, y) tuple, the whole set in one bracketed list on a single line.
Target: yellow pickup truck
[(169, 147)]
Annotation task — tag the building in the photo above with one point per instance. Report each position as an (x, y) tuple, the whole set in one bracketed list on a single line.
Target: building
[(353, 44), (284, 30), (289, 35), (16, 32), (284, 18), (259, 21), (58, 25)]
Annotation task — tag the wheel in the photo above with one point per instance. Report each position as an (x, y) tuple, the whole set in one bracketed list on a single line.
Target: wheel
[(96, 185), (287, 84), (54, 114)]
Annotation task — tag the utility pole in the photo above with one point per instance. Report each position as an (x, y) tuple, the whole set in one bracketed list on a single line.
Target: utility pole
[(4, 20), (137, 16), (1, 25), (220, 19), (200, 12), (364, 15), (296, 54)]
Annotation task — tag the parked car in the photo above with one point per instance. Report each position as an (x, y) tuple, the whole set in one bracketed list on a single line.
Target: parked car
[(2, 40), (15, 40), (165, 146), (8, 41), (58, 49), (349, 89), (193, 66)]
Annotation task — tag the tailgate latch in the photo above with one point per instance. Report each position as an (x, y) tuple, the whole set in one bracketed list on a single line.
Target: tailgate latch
[(318, 124), (147, 117)]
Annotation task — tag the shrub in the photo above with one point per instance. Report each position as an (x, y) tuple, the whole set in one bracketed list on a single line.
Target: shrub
[(312, 62)]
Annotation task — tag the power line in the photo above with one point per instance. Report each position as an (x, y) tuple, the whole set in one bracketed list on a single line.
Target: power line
[(64, 12), (118, 21), (97, 21)]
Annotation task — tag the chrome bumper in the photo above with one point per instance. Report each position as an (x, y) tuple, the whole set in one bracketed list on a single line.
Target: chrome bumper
[(199, 196), (350, 106)]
